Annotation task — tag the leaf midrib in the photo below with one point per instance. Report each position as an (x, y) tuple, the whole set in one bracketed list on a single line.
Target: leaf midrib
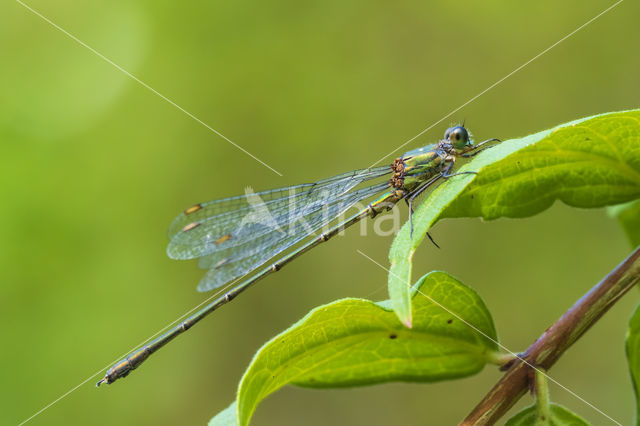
[(473, 348)]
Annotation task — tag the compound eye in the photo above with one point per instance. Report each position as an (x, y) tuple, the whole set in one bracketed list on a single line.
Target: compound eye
[(458, 136), (447, 133)]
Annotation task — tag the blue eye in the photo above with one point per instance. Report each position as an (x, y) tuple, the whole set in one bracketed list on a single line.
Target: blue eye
[(447, 133), (458, 136)]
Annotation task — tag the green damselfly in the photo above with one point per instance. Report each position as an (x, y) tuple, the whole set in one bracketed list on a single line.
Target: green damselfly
[(234, 236)]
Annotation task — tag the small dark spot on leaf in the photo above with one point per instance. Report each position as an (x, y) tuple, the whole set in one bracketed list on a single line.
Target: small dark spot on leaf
[(449, 321), (472, 196), (393, 336)]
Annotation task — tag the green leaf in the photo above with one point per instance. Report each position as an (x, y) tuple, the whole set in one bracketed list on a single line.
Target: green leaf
[(591, 162), (354, 342), (633, 356), (559, 416), (628, 215), (226, 417)]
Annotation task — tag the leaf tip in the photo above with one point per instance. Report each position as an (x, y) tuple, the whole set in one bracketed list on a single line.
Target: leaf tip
[(408, 322)]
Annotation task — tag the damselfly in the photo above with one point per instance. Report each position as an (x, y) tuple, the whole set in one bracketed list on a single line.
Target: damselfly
[(234, 236)]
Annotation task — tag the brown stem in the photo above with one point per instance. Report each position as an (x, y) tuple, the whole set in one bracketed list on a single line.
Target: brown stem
[(545, 351)]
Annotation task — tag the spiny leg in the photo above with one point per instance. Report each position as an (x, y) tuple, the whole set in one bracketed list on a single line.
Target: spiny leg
[(447, 175), (459, 173), (432, 240), (473, 154), (478, 151)]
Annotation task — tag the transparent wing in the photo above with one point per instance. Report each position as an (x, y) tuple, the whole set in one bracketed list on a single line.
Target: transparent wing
[(225, 265), (212, 209), (219, 225)]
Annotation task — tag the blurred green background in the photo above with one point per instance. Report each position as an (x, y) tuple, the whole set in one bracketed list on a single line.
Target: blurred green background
[(93, 168)]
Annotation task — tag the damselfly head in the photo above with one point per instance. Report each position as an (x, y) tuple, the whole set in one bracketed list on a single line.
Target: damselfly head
[(459, 138)]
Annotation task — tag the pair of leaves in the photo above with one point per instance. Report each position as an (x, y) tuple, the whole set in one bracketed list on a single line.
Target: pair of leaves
[(557, 416), (354, 342), (591, 162), (544, 412)]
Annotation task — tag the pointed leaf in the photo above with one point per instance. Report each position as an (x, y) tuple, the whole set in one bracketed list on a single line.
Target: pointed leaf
[(588, 163), (591, 162), (226, 417), (354, 342)]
